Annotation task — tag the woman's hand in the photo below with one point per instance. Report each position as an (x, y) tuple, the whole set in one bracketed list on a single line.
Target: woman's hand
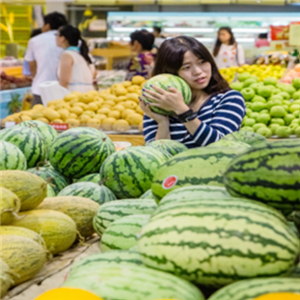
[(168, 100), (149, 113)]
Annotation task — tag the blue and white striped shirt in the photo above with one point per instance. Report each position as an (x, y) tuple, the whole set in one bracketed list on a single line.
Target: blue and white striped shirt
[(221, 114)]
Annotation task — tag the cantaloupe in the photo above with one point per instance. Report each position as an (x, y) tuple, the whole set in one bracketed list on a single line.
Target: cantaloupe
[(57, 229), (9, 205), (81, 210), (24, 257)]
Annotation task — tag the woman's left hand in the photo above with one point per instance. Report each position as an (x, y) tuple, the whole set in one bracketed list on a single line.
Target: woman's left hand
[(168, 100)]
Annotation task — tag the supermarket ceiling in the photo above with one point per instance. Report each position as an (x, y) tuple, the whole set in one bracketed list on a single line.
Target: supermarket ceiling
[(159, 2)]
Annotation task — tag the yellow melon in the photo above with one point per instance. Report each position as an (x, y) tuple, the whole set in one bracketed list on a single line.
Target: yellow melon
[(120, 99), (134, 118), (23, 118), (133, 88), (57, 121), (57, 229), (38, 107), (70, 97), (107, 123), (130, 104), (141, 127), (126, 111), (121, 126), (76, 110), (103, 111), (72, 122), (133, 96), (87, 98), (10, 205), (137, 80), (37, 114), (120, 90), (62, 105), (82, 105), (74, 100), (84, 119), (72, 116), (126, 83), (26, 113), (109, 102), (142, 84), (54, 102), (114, 114), (118, 107), (51, 114), (45, 120), (100, 117), (109, 97), (139, 110), (92, 106), (89, 113), (94, 122), (64, 113)]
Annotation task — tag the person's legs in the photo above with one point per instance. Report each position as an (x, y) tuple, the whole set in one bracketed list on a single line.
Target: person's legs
[(36, 100)]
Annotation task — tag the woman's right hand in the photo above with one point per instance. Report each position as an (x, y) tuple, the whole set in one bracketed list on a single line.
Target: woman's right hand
[(149, 113)]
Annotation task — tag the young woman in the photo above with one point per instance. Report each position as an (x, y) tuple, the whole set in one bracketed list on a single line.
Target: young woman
[(227, 52), (215, 109), (141, 43), (76, 71)]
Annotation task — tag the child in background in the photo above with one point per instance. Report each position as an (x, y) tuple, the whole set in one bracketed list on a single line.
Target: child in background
[(142, 44), (262, 41), (227, 53)]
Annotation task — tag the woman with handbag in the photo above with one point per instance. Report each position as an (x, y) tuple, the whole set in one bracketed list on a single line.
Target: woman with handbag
[(227, 52)]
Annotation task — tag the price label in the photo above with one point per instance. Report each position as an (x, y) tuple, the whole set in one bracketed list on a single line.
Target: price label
[(58, 126)]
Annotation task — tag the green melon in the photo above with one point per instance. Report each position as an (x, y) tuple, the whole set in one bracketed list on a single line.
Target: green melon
[(129, 172), (90, 190), (164, 81), (80, 151), (148, 195), (29, 141), (95, 178), (11, 157), (230, 143), (173, 147), (248, 137)]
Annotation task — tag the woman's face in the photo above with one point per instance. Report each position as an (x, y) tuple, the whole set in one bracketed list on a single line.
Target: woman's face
[(195, 71), (135, 46), (224, 36), (59, 40)]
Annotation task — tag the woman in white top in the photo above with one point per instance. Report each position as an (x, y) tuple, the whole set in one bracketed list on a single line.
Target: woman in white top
[(76, 71), (227, 53)]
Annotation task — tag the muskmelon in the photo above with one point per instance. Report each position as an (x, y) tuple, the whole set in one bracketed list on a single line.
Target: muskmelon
[(6, 280), (9, 205), (81, 210), (22, 231), (24, 257), (30, 188), (57, 229)]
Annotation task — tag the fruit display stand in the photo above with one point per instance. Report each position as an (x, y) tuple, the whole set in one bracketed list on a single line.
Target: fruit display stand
[(54, 273), (136, 139)]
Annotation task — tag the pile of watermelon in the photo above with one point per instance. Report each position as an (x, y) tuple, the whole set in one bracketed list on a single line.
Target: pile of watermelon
[(218, 222)]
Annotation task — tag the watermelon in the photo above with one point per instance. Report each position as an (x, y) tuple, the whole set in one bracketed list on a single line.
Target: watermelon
[(115, 282), (250, 289), (50, 191), (268, 173), (52, 177), (230, 143), (194, 192), (199, 166), (295, 217), (129, 172), (114, 210), (296, 273), (96, 261), (173, 147), (90, 190), (80, 151), (164, 81), (248, 137), (219, 242), (147, 195), (11, 157), (122, 234), (95, 178), (48, 132), (29, 141)]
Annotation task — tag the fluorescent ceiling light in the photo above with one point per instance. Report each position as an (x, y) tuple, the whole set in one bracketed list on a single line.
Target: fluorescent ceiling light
[(258, 30), (205, 39), (129, 29), (183, 29), (245, 40)]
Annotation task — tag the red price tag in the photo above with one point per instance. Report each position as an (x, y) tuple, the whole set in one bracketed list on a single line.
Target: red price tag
[(169, 182), (58, 126)]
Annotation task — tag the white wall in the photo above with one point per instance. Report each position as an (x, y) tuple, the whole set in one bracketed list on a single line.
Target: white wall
[(55, 5)]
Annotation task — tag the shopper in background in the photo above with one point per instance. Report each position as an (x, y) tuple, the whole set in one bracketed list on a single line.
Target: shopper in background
[(157, 32), (262, 40), (227, 53), (43, 54), (215, 110), (141, 43), (76, 71)]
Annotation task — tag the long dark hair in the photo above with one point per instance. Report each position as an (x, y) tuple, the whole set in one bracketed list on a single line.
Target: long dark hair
[(170, 58), (73, 36), (218, 43)]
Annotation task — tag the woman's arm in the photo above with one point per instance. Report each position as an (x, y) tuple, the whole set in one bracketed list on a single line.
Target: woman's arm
[(65, 69)]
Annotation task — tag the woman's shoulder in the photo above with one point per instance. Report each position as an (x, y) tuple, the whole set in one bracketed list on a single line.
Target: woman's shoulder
[(228, 94)]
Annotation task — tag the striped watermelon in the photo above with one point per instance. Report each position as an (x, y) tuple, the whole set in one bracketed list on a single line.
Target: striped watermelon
[(122, 234), (52, 177), (248, 137), (147, 195), (50, 191), (114, 210), (267, 173), (199, 166), (296, 273), (90, 190), (80, 151), (11, 157), (48, 132), (116, 282), (219, 243), (250, 289), (96, 261), (95, 178), (295, 217), (164, 81), (194, 192), (128, 173), (173, 147), (29, 141), (230, 143)]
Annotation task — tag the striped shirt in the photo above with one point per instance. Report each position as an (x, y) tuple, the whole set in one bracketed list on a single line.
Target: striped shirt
[(221, 114)]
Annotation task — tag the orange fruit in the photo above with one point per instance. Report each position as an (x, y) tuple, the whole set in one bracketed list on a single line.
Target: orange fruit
[(64, 293)]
